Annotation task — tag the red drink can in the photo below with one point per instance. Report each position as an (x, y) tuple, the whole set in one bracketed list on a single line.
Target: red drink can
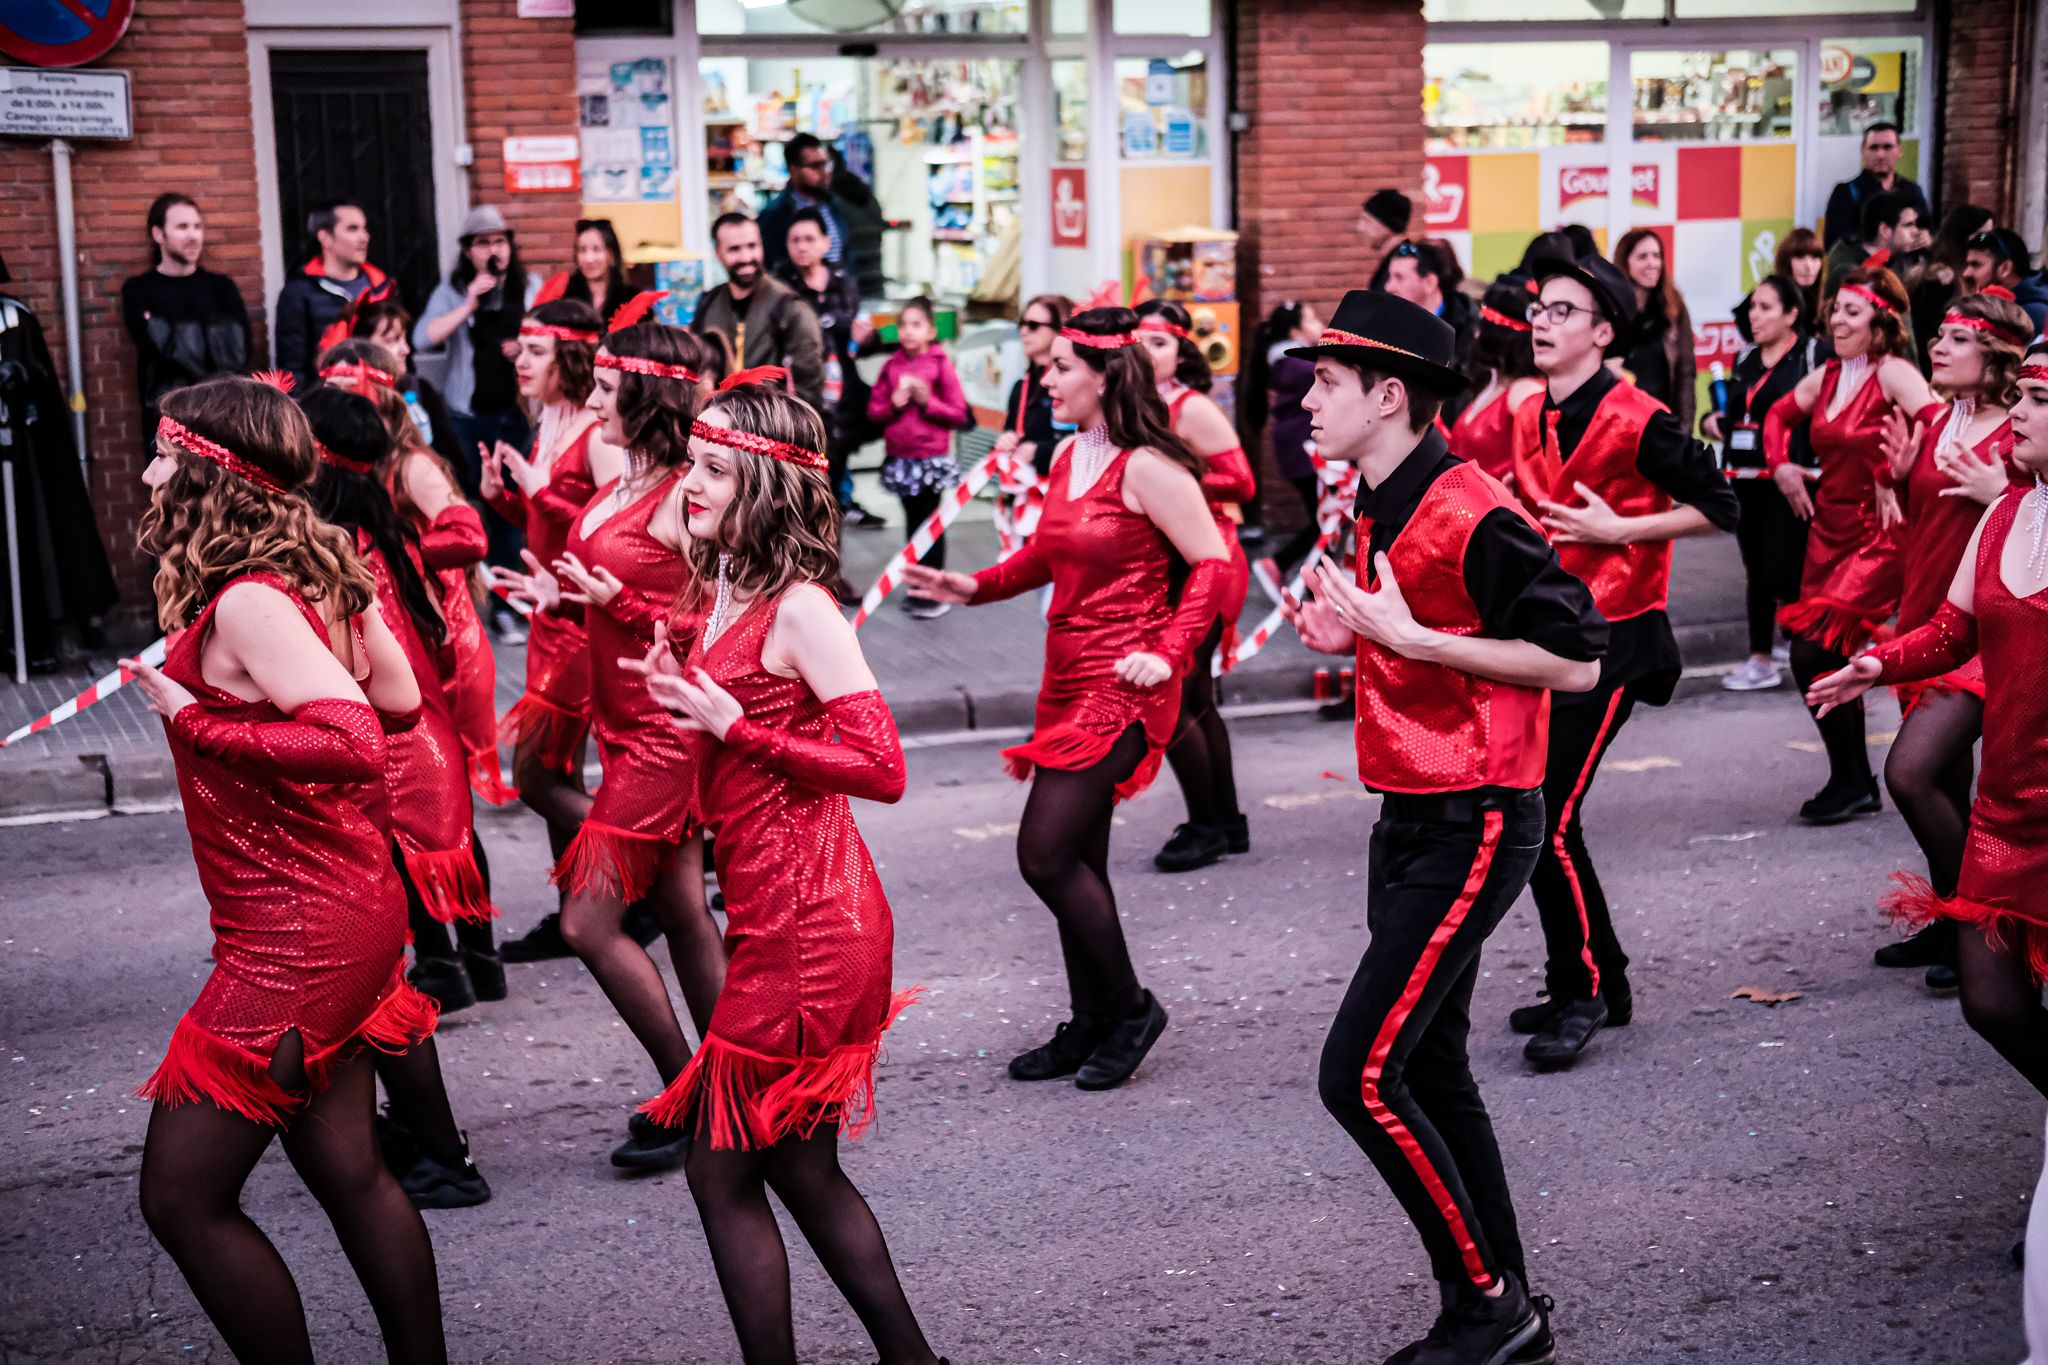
[(1347, 682), (1326, 685)]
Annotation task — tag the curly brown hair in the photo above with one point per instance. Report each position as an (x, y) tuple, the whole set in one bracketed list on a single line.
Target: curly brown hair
[(1131, 406), (2004, 345), (1887, 325), (208, 526), (654, 412), (782, 525), (572, 358)]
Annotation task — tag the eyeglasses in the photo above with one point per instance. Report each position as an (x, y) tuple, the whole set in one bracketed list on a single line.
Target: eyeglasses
[(818, 165), (1407, 249), (1029, 325), (1557, 314)]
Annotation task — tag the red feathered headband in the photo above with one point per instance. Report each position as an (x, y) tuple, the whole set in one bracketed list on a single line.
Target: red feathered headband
[(178, 434)]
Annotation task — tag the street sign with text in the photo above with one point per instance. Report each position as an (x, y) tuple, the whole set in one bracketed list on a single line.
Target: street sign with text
[(35, 102)]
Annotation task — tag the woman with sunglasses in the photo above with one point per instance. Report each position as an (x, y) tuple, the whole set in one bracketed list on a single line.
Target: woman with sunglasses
[(1027, 418)]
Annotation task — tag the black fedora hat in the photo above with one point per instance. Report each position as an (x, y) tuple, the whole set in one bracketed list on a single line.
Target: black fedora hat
[(1393, 336), (1613, 292)]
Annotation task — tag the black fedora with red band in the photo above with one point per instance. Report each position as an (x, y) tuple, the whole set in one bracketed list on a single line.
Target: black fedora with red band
[(1392, 336)]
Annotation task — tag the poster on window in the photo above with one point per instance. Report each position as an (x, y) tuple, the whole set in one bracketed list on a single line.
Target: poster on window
[(628, 132)]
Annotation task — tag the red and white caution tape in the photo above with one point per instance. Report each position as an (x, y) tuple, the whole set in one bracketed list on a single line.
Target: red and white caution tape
[(1331, 525), (1020, 500), (99, 691), (506, 594), (955, 498)]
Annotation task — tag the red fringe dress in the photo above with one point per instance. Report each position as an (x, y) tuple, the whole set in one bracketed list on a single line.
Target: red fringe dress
[(1852, 579), (1936, 533), (554, 711), (2003, 889), (1227, 483), (799, 1022), (642, 810), (307, 909), (426, 773)]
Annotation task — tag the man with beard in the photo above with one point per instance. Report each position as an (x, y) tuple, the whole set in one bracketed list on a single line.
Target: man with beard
[(760, 317), (188, 323)]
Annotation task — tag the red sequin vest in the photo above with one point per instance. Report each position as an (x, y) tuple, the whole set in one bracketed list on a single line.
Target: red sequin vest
[(1627, 580), (1426, 727)]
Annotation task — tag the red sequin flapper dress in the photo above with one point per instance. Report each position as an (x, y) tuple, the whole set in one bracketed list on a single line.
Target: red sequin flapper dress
[(2003, 889), (1227, 483), (1851, 582), (307, 909), (809, 938), (1937, 531), (555, 708), (1485, 434), (643, 809)]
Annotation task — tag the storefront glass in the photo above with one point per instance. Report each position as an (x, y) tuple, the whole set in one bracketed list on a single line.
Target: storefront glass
[(1161, 16), (1519, 11), (1514, 95), (1743, 9), (1706, 96), (812, 17), (1163, 100)]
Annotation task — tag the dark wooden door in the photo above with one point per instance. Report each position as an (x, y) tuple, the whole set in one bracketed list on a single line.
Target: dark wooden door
[(356, 125)]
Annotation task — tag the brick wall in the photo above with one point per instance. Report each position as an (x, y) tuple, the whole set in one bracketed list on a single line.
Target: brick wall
[(1980, 128), (189, 80), (519, 80)]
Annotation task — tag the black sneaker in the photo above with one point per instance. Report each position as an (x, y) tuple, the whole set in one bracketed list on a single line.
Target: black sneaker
[(1192, 846), (1534, 1018), (1116, 1057), (1238, 831), (1924, 949), (860, 518), (1477, 1329), (432, 1184), (652, 1148), (444, 980), (395, 1142), (1061, 1055), (486, 971), (1542, 1348), (538, 944), (1619, 999), (1942, 976), (1561, 1041), (1834, 805), (642, 925)]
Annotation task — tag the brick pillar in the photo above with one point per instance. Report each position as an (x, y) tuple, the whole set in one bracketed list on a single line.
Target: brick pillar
[(1979, 124), (189, 80), (519, 80)]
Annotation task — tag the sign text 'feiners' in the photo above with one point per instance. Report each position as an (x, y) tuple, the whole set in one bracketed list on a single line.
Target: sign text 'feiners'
[(35, 102)]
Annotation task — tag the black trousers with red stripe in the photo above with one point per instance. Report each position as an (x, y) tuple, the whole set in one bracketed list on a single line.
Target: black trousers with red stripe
[(1394, 1069), (1584, 957)]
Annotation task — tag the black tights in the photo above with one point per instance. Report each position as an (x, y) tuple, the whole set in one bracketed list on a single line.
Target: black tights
[(429, 935), (1200, 750), (1928, 773), (195, 1161), (1063, 852), (556, 797), (2002, 1001), (1841, 730), (731, 1192), (594, 925), (916, 512)]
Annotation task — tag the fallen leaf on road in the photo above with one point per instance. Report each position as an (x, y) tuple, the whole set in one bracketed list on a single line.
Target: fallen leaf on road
[(1764, 997)]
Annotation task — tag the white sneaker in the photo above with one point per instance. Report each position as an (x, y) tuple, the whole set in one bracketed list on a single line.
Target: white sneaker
[(1752, 675), (1781, 653), (929, 611)]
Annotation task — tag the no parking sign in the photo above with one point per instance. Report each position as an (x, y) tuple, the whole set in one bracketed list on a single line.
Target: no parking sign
[(62, 32)]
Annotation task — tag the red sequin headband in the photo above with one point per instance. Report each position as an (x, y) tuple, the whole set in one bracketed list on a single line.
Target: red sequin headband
[(1337, 336), (2037, 373), (654, 369), (1154, 323), (549, 329), (758, 445), (343, 462), (1986, 325), (1500, 319), (1876, 298), (356, 370), (177, 433), (1114, 342)]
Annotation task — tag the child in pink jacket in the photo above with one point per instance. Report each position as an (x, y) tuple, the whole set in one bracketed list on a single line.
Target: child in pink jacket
[(919, 405)]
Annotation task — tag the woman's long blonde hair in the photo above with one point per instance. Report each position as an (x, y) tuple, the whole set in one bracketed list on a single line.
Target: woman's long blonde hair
[(782, 526), (209, 526)]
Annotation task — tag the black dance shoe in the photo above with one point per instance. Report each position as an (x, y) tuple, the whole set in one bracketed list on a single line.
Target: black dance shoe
[(1477, 1329), (444, 980), (642, 925), (1561, 1041), (432, 1184), (1116, 1057), (1534, 1018), (650, 1147), (1942, 976), (1923, 949), (486, 971), (1192, 846), (1062, 1055), (1833, 805), (538, 944), (395, 1142), (1542, 1348), (1238, 831)]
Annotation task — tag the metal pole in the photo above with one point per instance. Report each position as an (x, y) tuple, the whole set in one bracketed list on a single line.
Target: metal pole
[(14, 574), (67, 271)]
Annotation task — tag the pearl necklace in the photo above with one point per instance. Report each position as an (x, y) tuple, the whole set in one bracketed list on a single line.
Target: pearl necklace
[(1854, 369), (1960, 415), (1092, 453), (721, 602), (2037, 558)]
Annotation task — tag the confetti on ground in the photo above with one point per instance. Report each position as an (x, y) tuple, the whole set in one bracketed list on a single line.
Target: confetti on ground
[(1764, 997)]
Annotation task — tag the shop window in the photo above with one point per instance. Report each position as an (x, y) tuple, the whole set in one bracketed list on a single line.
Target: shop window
[(1183, 18), (1480, 11), (814, 17), (1509, 96), (1712, 96), (1741, 9), (1164, 103), (1070, 108), (1869, 80), (611, 18), (1070, 16)]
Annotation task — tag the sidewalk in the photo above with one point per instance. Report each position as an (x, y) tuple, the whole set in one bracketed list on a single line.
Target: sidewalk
[(973, 669)]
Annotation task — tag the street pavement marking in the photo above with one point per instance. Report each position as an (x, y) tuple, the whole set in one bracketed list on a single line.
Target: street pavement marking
[(1296, 800), (988, 832), (1814, 746), (1642, 765)]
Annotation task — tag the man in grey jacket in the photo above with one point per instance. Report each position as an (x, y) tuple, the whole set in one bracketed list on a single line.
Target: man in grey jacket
[(760, 317)]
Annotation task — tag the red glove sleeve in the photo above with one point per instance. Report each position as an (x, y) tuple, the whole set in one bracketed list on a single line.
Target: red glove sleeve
[(510, 504), (1228, 477), (1020, 573), (327, 740), (866, 759), (632, 607), (456, 540), (1784, 415), (1200, 600), (398, 722), (1941, 646)]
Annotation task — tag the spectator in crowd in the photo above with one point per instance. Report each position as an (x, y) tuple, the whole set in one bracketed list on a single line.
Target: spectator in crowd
[(1844, 220), (1425, 274), (1658, 350), (475, 314), (188, 323), (861, 224), (314, 298), (809, 187), (1027, 418), (1271, 388), (1999, 256), (1891, 222), (835, 299), (1383, 220), (761, 318), (599, 276), (1802, 259), (919, 404), (385, 322), (1938, 277)]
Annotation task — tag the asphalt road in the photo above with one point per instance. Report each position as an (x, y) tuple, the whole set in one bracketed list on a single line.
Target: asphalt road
[(1835, 1179)]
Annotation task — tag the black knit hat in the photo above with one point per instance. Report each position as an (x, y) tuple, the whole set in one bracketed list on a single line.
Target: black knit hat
[(1393, 336), (1392, 208), (1613, 293)]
